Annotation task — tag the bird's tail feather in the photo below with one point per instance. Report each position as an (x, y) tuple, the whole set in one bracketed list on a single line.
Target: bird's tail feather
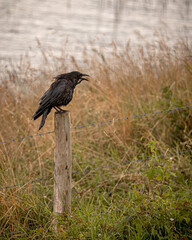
[(36, 115), (45, 113), (40, 111)]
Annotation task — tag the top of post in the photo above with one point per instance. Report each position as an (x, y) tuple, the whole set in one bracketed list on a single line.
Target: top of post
[(62, 112)]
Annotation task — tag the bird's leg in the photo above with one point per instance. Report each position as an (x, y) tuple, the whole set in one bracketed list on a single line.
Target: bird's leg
[(60, 109), (56, 109)]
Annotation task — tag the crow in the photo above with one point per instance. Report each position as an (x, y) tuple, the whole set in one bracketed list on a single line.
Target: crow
[(59, 94)]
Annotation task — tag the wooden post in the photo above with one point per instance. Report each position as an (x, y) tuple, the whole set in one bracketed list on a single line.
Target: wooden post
[(63, 165)]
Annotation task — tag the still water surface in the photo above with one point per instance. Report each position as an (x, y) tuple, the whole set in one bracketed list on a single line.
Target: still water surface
[(80, 21)]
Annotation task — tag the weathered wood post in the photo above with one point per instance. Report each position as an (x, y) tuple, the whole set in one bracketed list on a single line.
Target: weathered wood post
[(63, 165)]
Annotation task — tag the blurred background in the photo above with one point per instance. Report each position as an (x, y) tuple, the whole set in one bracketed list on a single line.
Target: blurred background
[(81, 23)]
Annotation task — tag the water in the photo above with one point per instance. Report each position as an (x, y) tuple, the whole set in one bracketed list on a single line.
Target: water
[(86, 23)]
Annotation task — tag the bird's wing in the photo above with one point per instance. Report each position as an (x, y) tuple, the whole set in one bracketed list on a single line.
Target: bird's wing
[(55, 91), (49, 91), (44, 95)]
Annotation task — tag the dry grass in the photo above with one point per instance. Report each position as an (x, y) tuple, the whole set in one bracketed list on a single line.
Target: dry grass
[(124, 83)]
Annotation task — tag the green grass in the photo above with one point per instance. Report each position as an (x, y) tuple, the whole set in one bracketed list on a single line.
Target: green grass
[(143, 200)]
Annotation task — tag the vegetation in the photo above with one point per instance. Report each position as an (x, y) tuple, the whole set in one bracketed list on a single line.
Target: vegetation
[(129, 198)]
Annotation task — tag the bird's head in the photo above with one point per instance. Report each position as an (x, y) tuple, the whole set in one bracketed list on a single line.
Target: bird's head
[(78, 77), (75, 77)]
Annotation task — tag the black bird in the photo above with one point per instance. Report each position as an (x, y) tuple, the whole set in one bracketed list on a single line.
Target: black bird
[(59, 94)]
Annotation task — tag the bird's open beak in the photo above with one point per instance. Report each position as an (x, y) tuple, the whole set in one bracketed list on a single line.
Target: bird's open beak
[(86, 75)]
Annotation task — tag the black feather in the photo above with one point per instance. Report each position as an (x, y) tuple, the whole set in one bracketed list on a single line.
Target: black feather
[(59, 94)]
